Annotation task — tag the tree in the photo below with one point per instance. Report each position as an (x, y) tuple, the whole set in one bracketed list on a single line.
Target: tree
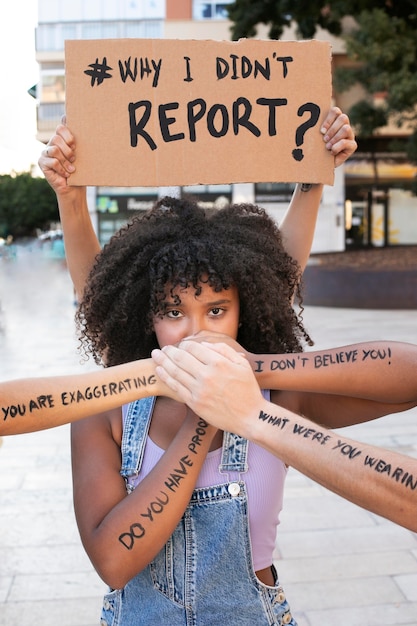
[(307, 14), (384, 48), (382, 43), (26, 204)]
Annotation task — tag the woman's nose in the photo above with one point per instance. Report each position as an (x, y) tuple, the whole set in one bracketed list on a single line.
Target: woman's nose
[(196, 325)]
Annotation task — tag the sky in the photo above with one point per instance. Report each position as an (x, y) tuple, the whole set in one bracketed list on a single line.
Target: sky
[(19, 149)]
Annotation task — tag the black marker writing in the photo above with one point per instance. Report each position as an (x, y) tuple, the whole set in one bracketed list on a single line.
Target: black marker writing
[(34, 404), (172, 482), (282, 364), (178, 474), (284, 61), (273, 419), (314, 110), (136, 531), (110, 389), (196, 440), (242, 67), (98, 72), (324, 360), (311, 433), (156, 506), (376, 354), (140, 68), (347, 450), (396, 473), (218, 119), (188, 77)]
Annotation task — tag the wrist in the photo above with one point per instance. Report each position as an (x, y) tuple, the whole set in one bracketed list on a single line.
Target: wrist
[(203, 432), (254, 424), (306, 187)]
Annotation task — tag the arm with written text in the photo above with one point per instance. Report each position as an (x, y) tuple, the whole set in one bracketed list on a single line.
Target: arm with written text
[(337, 386), (31, 404), (218, 383), (122, 533), (376, 374)]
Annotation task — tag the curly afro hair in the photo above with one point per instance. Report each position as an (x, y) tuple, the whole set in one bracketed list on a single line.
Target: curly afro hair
[(177, 243)]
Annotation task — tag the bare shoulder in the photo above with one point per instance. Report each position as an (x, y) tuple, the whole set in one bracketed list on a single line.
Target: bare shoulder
[(107, 425)]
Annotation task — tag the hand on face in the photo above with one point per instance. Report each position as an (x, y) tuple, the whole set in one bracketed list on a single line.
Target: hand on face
[(214, 380), (338, 135), (204, 336)]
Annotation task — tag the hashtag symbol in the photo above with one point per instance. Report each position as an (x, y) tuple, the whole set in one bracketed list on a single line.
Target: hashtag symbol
[(98, 72)]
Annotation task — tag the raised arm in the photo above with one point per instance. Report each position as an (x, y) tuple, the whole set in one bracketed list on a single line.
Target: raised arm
[(81, 243), (32, 404), (299, 222), (219, 384)]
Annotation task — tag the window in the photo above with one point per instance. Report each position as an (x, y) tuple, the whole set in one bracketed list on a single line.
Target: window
[(52, 86), (209, 196), (273, 192), (210, 10)]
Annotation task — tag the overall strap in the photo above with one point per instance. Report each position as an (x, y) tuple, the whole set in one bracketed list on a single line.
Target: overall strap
[(135, 431), (234, 453)]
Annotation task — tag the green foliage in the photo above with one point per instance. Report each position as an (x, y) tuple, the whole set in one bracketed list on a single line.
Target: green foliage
[(382, 44), (307, 14), (366, 117), (387, 49), (26, 203)]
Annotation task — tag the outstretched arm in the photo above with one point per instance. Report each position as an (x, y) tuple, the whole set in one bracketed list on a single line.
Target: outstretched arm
[(342, 386), (219, 385), (384, 371), (338, 386), (299, 222), (81, 243), (38, 403)]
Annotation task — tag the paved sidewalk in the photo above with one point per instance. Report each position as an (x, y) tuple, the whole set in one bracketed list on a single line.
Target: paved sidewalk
[(340, 565)]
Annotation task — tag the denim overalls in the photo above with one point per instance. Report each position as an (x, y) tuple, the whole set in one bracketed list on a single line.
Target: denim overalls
[(203, 576)]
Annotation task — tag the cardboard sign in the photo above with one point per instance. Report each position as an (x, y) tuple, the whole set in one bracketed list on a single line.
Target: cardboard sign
[(177, 112)]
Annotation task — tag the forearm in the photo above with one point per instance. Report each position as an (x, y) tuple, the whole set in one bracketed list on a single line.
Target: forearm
[(81, 243), (299, 223), (125, 541), (383, 371), (34, 404), (379, 480)]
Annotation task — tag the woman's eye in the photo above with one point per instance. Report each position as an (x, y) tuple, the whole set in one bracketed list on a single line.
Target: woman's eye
[(216, 311), (173, 314)]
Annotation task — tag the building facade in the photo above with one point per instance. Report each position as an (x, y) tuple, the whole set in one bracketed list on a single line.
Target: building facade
[(354, 212)]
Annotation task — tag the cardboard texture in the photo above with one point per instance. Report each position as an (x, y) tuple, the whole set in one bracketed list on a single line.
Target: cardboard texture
[(177, 112)]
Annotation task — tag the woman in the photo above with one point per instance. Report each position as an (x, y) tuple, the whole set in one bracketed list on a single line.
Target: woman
[(181, 546), (185, 526)]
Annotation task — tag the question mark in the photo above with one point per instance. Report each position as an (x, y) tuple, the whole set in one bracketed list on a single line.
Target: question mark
[(314, 109)]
